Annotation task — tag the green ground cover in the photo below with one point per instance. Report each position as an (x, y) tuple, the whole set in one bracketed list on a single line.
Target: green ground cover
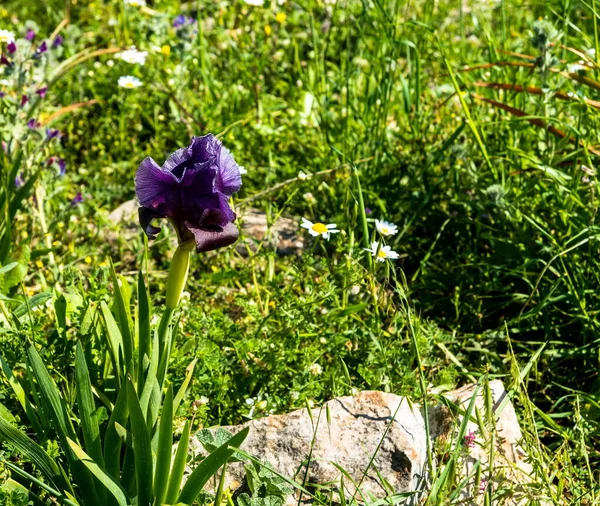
[(473, 127)]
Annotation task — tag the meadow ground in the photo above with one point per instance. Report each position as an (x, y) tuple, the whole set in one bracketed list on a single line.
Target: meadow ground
[(473, 126)]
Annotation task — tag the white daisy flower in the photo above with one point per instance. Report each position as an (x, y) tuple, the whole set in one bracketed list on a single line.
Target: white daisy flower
[(136, 3), (256, 3), (385, 228), (6, 36), (133, 56), (316, 229), (382, 253), (129, 82), (315, 369)]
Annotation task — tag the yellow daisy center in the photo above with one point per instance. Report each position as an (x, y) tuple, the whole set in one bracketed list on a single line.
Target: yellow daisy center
[(385, 230), (3, 38), (129, 85), (319, 228), (381, 254)]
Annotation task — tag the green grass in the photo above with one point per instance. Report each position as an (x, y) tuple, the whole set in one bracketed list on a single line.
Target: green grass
[(410, 108)]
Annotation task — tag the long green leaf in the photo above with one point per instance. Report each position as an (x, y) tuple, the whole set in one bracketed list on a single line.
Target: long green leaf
[(19, 442), (122, 292), (143, 329), (141, 445), (22, 397), (115, 341), (165, 447), (57, 411), (178, 467), (110, 485), (189, 371), (209, 467), (87, 413), (112, 439)]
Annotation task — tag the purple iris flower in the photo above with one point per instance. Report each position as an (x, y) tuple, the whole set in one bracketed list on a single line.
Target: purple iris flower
[(58, 40), (33, 123), (42, 48), (52, 133), (30, 35), (42, 91), (78, 199), (11, 47), (192, 189)]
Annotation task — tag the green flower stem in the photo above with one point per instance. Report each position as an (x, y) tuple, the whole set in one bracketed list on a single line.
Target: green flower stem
[(178, 274)]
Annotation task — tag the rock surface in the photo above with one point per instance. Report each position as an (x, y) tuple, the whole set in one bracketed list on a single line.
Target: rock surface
[(509, 468), (283, 234), (347, 431)]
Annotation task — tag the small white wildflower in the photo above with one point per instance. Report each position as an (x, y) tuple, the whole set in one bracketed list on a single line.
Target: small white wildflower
[(110, 63), (315, 369), (574, 68), (255, 3), (316, 229), (243, 170), (385, 228), (129, 82), (6, 36), (588, 171), (171, 82), (355, 290), (310, 198), (302, 176), (322, 340), (272, 346), (203, 401), (294, 395), (136, 3), (250, 401), (112, 22), (382, 253), (133, 56), (155, 319)]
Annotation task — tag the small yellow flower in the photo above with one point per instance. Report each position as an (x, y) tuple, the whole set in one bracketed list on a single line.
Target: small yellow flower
[(56, 243), (24, 234), (281, 17), (88, 260), (39, 264), (166, 50), (268, 30)]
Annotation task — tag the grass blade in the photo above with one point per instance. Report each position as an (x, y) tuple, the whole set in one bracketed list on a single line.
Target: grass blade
[(178, 467), (209, 466)]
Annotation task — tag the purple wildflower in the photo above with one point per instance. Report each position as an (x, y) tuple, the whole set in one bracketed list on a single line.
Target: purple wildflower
[(483, 483), (58, 40), (4, 60), (78, 199), (2, 94), (24, 100), (192, 189), (30, 35), (42, 91), (52, 133), (368, 210), (42, 48), (62, 166), (33, 123), (179, 21), (469, 439), (11, 47), (19, 180)]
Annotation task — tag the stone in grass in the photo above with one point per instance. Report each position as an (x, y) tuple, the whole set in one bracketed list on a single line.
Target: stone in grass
[(509, 471), (282, 234), (345, 433)]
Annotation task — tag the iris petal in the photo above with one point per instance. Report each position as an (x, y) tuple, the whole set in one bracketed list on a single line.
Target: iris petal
[(229, 179), (146, 216), (208, 240), (154, 187)]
